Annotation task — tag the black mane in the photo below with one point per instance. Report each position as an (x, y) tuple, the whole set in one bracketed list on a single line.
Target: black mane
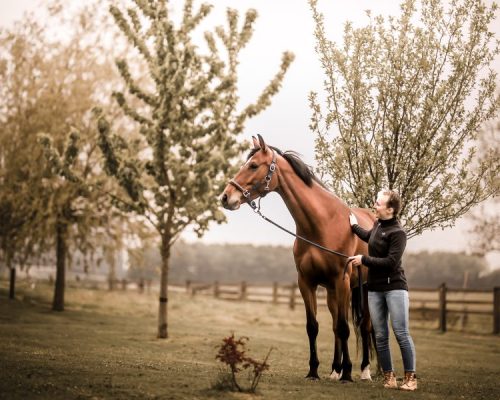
[(303, 170)]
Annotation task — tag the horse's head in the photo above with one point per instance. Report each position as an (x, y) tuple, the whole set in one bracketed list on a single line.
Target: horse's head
[(255, 178)]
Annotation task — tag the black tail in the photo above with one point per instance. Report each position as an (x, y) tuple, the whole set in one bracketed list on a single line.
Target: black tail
[(357, 306), (358, 300), (360, 317), (357, 315)]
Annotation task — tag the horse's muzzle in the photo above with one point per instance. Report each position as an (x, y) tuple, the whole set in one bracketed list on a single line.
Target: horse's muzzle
[(229, 203)]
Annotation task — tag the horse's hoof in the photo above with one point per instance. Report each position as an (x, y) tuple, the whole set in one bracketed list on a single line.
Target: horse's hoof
[(347, 378), (365, 374), (312, 377), (335, 376)]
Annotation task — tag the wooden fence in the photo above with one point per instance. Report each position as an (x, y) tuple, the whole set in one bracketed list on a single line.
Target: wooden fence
[(444, 304)]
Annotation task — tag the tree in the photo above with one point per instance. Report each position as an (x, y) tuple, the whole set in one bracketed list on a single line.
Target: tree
[(486, 218), (50, 85), (406, 99), (17, 64), (187, 120), (14, 237), (77, 206)]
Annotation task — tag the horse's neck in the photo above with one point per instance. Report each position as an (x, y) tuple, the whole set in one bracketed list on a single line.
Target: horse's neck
[(311, 207)]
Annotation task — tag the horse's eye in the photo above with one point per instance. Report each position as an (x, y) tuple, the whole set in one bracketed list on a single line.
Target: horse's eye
[(253, 166)]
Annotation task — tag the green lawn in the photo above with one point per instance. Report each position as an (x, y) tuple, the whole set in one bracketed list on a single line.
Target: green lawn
[(104, 346)]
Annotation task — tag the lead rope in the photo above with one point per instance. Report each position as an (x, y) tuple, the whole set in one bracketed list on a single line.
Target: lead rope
[(257, 211), (359, 311)]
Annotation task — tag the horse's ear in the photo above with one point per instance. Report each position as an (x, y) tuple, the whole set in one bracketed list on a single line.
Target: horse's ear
[(256, 144), (263, 144)]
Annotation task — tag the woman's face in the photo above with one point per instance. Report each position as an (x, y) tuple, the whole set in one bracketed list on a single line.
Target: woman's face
[(380, 206)]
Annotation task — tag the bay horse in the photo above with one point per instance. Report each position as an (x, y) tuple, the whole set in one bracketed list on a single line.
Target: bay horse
[(323, 218)]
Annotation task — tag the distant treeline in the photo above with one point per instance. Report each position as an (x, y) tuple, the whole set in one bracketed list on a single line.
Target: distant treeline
[(264, 264)]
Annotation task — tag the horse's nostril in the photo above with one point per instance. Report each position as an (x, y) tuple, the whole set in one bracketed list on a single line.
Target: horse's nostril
[(224, 198)]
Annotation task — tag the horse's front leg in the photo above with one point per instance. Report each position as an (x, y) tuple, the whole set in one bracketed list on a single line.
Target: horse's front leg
[(331, 301), (308, 293), (344, 296)]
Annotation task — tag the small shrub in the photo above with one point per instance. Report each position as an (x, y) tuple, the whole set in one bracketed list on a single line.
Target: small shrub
[(232, 353)]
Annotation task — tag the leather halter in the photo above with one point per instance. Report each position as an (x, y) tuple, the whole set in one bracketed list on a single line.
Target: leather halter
[(255, 188)]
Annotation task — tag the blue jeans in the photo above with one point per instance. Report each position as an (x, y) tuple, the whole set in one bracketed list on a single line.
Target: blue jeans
[(396, 304)]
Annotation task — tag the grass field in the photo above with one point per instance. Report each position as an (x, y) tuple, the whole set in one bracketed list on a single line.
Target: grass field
[(104, 346)]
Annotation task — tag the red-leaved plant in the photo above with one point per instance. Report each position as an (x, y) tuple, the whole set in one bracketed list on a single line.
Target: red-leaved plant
[(232, 353)]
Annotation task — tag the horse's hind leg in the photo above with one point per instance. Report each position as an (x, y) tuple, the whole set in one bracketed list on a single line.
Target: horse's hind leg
[(337, 355), (312, 326), (343, 330)]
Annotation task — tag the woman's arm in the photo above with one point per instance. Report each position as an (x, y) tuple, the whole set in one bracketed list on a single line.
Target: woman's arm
[(363, 234), (396, 248)]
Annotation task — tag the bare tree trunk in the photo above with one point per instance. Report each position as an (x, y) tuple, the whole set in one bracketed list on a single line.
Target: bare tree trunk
[(112, 271), (58, 304), (162, 312), (12, 287)]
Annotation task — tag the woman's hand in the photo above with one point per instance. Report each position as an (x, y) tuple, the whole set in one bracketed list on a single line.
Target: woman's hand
[(352, 219), (356, 260)]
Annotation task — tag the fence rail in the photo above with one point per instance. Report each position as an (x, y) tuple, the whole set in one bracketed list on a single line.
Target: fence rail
[(447, 306), (440, 303)]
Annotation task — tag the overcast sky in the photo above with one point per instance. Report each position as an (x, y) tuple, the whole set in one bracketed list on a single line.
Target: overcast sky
[(284, 25)]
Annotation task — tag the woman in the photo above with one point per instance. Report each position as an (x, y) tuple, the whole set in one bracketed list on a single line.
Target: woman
[(387, 287)]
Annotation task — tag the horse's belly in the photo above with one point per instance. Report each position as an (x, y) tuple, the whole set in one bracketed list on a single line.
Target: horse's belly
[(317, 269)]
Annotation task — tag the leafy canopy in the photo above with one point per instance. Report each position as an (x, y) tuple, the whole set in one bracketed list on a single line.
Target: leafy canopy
[(405, 99), (185, 110)]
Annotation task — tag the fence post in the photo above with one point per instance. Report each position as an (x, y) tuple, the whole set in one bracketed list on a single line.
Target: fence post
[(275, 293), (243, 294), (292, 296), (496, 310), (188, 285), (216, 289), (465, 317), (442, 307)]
